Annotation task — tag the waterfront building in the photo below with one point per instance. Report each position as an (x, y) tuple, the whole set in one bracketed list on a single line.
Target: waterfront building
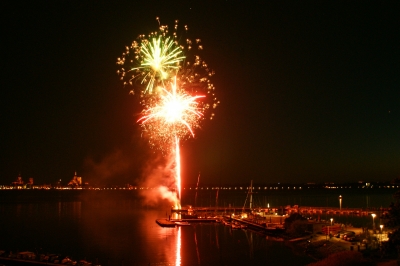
[(76, 181), (19, 183)]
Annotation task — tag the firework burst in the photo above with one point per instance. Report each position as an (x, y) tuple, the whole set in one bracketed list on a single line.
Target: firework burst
[(150, 60), (157, 59), (194, 78), (173, 114)]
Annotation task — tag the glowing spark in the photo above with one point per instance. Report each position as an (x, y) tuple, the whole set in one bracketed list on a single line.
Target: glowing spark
[(195, 78)]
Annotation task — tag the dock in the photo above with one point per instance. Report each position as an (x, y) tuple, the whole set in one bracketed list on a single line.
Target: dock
[(272, 229), (265, 228), (172, 222), (232, 209)]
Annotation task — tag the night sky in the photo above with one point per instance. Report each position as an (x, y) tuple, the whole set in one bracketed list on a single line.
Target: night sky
[(309, 91)]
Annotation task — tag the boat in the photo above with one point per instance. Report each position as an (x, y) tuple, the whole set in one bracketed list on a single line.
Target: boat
[(165, 223), (235, 226), (68, 261), (181, 223), (226, 223), (84, 263)]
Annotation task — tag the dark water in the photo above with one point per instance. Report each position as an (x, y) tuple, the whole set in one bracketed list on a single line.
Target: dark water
[(120, 231), (115, 228)]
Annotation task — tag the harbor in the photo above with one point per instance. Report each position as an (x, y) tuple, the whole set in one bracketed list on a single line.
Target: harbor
[(107, 228)]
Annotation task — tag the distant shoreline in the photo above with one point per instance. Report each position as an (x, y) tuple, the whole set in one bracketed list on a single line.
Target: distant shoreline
[(322, 197)]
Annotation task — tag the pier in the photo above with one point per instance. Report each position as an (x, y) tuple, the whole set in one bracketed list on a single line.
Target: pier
[(211, 209), (333, 210), (174, 222), (267, 228), (284, 210)]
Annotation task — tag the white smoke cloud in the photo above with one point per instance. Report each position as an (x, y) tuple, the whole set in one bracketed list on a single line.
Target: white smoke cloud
[(157, 178), (160, 176)]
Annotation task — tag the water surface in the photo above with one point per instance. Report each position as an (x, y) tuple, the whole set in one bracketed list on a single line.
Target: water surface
[(121, 231)]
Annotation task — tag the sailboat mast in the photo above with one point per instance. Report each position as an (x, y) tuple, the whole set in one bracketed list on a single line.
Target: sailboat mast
[(251, 194), (197, 187)]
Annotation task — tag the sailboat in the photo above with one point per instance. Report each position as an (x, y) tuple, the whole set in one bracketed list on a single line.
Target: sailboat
[(249, 192)]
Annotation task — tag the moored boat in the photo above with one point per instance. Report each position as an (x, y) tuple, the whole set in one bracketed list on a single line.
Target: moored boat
[(226, 223), (235, 226), (182, 223)]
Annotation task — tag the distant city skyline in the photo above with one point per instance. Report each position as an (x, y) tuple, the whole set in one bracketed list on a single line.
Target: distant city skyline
[(78, 182)]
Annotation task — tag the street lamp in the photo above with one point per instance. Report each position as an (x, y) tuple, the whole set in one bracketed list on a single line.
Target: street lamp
[(331, 221), (340, 202), (381, 226), (373, 222)]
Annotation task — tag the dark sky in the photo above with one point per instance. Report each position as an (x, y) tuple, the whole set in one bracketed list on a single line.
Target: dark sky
[(309, 91)]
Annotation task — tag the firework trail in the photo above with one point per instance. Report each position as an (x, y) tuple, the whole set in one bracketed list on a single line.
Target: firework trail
[(178, 168)]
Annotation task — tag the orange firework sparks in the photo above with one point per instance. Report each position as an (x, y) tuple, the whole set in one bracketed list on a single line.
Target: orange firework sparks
[(175, 114)]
